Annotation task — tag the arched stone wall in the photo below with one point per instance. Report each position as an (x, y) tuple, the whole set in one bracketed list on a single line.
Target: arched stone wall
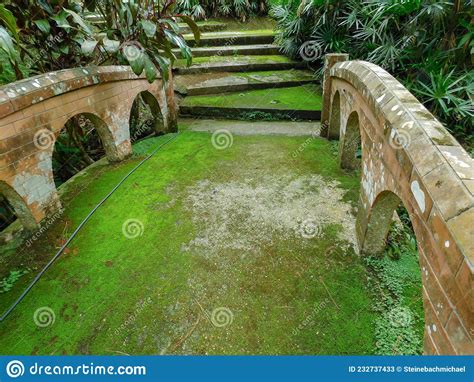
[(350, 142), (22, 211), (408, 156), (152, 102), (335, 117), (33, 111)]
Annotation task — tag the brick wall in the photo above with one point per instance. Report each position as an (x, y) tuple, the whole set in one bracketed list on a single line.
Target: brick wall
[(33, 112)]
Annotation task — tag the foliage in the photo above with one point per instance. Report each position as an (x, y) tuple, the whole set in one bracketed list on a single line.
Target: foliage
[(47, 36), (241, 9), (54, 35), (395, 281), (7, 283), (139, 33), (427, 44)]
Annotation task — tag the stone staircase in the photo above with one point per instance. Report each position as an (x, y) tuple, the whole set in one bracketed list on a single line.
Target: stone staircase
[(240, 74)]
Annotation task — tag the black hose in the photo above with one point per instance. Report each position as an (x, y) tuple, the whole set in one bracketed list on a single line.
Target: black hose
[(61, 250)]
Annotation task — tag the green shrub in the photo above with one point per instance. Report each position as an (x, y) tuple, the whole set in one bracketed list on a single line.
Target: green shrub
[(241, 9), (395, 282), (426, 44)]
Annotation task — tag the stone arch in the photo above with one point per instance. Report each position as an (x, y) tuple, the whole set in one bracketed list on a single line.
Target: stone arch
[(22, 211), (379, 219), (105, 133), (334, 128), (71, 164), (153, 103), (349, 143)]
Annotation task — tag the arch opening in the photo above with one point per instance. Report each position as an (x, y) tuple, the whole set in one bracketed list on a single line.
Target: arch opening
[(350, 147), (334, 129), (13, 208), (7, 214), (146, 117), (392, 254), (84, 139)]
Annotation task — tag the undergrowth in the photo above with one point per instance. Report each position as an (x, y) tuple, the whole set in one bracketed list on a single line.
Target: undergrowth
[(7, 283), (395, 281)]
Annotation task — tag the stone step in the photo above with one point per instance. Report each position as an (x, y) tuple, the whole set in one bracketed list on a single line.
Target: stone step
[(237, 64), (298, 103), (224, 82), (238, 127), (232, 50), (233, 38), (204, 26)]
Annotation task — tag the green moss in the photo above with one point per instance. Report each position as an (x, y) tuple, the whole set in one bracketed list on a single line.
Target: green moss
[(230, 34), (111, 294), (307, 97), (240, 59), (397, 288), (254, 23)]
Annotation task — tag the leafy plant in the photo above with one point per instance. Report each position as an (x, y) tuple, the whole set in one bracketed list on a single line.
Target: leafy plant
[(141, 34), (241, 9), (6, 284), (426, 44), (395, 281), (46, 35)]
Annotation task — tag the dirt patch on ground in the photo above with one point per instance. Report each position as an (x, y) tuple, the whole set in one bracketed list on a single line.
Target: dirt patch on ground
[(291, 129), (245, 216)]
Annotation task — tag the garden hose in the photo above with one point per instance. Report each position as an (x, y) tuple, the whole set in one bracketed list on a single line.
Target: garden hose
[(79, 227)]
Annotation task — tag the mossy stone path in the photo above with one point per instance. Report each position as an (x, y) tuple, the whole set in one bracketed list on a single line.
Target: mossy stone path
[(247, 250)]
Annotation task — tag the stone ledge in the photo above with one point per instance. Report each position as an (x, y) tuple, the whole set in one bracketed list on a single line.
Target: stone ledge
[(22, 94)]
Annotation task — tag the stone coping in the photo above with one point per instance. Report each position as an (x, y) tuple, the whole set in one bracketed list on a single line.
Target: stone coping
[(22, 94)]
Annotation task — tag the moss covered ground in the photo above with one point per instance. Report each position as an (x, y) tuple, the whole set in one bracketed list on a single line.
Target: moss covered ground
[(232, 34), (306, 97), (235, 59), (176, 287)]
